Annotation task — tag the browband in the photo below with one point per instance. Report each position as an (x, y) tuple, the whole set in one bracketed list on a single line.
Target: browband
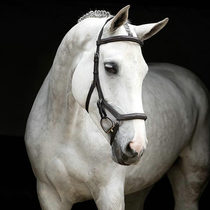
[(119, 39)]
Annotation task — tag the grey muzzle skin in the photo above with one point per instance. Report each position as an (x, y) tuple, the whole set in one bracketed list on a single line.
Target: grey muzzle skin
[(109, 126)]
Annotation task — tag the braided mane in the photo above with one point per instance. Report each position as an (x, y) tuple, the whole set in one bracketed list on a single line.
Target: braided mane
[(102, 14), (95, 14)]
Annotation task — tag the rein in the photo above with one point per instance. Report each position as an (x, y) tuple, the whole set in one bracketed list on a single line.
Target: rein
[(102, 104)]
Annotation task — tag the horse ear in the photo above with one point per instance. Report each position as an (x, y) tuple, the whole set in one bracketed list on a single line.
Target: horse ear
[(148, 30), (119, 19)]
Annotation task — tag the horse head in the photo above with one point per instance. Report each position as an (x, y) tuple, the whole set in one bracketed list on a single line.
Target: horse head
[(119, 70)]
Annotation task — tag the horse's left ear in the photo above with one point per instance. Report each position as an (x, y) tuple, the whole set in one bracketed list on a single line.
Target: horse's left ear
[(120, 18), (148, 30)]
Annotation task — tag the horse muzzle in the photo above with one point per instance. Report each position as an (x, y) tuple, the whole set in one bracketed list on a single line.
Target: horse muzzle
[(125, 155)]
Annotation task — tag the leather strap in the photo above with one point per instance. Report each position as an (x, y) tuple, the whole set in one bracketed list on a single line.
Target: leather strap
[(119, 39), (96, 82), (123, 117), (114, 132)]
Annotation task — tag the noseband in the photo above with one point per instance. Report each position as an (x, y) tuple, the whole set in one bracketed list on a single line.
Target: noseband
[(102, 104)]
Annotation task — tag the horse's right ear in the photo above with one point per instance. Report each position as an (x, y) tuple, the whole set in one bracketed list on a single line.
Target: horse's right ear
[(120, 18)]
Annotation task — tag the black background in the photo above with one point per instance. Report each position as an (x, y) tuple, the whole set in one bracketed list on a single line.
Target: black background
[(30, 33)]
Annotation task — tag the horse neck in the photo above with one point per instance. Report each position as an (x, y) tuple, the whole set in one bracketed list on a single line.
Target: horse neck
[(60, 96)]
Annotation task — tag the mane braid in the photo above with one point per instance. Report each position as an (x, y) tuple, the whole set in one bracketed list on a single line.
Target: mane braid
[(127, 28), (103, 14), (95, 14)]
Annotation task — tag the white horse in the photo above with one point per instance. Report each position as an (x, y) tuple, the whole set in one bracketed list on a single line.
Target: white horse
[(71, 154)]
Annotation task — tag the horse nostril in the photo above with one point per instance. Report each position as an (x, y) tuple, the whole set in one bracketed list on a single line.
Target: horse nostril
[(141, 153), (130, 152)]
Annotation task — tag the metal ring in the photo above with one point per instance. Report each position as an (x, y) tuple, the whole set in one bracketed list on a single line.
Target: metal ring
[(108, 121)]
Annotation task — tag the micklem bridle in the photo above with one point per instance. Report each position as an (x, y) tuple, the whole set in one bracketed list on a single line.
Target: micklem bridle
[(102, 104)]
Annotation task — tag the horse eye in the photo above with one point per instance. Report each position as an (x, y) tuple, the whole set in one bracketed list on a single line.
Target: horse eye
[(111, 67)]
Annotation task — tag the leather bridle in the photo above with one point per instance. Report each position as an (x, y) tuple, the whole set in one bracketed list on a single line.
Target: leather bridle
[(102, 104)]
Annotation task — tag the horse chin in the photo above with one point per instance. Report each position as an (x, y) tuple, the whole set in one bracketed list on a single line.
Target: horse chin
[(125, 163), (118, 157)]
